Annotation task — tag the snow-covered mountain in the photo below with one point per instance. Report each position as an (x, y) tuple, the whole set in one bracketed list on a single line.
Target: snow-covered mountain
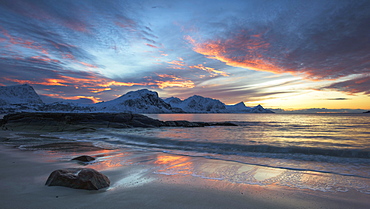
[(197, 104), (19, 94), (260, 109), (24, 98), (238, 108), (19, 98), (67, 107), (141, 101)]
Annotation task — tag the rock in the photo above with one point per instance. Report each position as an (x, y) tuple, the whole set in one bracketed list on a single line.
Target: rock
[(78, 178), (184, 123), (49, 122), (84, 158), (67, 147)]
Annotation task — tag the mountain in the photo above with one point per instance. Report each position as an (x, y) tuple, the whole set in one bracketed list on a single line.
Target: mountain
[(141, 101), (24, 98), (19, 94), (67, 107), (19, 98), (238, 108), (197, 104), (260, 109)]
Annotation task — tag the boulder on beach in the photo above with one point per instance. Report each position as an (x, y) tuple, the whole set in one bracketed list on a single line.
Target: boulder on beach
[(84, 158), (78, 178)]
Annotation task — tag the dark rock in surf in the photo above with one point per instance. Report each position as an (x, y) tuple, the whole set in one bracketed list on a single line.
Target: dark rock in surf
[(89, 121), (67, 147), (84, 158), (78, 178)]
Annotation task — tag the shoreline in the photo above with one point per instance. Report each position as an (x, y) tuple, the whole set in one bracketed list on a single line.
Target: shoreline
[(136, 185)]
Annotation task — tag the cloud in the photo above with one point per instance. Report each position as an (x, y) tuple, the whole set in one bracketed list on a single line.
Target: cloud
[(74, 85), (212, 71), (227, 92), (340, 99), (361, 84), (329, 43), (80, 49), (166, 80)]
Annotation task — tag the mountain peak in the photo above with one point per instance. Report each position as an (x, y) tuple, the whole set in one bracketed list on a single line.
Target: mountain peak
[(260, 109), (198, 104), (24, 98), (140, 101), (19, 94)]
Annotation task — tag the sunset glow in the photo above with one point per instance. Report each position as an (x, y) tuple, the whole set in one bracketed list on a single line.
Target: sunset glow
[(281, 54)]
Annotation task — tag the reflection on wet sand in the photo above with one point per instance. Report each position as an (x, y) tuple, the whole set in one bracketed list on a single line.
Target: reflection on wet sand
[(217, 174), (170, 164)]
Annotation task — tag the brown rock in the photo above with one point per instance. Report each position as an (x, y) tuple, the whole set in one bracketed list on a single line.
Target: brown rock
[(78, 178)]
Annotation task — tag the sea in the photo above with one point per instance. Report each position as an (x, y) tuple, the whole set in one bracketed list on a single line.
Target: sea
[(321, 152)]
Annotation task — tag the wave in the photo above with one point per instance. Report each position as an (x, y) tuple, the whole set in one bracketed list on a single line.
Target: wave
[(234, 149)]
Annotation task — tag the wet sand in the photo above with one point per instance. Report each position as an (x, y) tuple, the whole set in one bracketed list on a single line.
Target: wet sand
[(136, 184)]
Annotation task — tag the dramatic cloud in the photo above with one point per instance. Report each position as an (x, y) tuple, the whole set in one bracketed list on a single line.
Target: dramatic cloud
[(90, 51), (324, 44), (361, 84)]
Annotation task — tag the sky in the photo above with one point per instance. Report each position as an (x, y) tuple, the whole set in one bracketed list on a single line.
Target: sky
[(290, 55)]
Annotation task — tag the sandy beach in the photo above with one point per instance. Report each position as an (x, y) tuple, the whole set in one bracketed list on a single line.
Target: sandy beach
[(137, 182)]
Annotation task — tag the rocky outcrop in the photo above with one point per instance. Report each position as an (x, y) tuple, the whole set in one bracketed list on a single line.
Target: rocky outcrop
[(78, 178), (84, 158), (89, 121)]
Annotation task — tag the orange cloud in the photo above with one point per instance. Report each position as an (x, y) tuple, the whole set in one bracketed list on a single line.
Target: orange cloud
[(115, 83), (175, 82), (99, 90), (176, 62), (73, 58), (90, 81), (45, 59), (182, 84), (87, 64), (94, 99), (151, 45), (210, 70), (239, 51), (46, 82), (22, 42)]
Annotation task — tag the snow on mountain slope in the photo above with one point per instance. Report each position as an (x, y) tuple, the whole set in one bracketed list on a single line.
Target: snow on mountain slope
[(67, 107), (198, 104), (238, 108), (173, 101), (19, 94), (260, 109), (141, 101), (24, 98)]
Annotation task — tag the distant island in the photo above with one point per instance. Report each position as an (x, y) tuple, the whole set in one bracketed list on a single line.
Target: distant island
[(367, 111), (23, 98)]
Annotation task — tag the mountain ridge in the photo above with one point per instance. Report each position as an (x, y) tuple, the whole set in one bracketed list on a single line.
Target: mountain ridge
[(24, 98)]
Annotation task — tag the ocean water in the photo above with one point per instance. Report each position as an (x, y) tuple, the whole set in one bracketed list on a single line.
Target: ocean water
[(324, 152), (332, 147)]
